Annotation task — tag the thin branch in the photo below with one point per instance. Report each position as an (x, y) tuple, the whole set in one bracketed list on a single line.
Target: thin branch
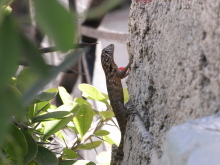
[(93, 146), (46, 143)]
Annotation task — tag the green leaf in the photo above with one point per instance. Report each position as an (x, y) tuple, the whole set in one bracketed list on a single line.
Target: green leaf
[(126, 95), (26, 78), (34, 108), (101, 133), (106, 114), (33, 57), (4, 120), (47, 95), (16, 144), (76, 162), (12, 81), (32, 148), (89, 146), (106, 96), (52, 116), (54, 20), (83, 119), (73, 129), (2, 12), (61, 135), (70, 107), (44, 105), (71, 59), (69, 154), (45, 157), (64, 95), (53, 126), (81, 101), (32, 163), (10, 102), (93, 93), (109, 140), (7, 9), (10, 105), (9, 50)]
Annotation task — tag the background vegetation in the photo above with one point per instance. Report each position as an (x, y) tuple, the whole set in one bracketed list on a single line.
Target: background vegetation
[(32, 128)]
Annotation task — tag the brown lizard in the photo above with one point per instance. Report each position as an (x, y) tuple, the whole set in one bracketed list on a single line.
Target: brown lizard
[(115, 92)]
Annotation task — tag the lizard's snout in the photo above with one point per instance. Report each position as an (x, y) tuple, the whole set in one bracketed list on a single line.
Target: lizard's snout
[(111, 46)]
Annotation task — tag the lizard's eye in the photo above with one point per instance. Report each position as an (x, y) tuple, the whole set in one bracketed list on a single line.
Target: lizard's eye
[(108, 52)]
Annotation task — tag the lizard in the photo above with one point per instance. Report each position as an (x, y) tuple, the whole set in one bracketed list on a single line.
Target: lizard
[(115, 92)]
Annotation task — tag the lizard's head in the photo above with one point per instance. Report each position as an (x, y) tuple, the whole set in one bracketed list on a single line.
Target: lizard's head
[(107, 54)]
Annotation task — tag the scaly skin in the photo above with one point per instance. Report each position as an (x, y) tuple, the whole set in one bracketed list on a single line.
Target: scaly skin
[(115, 92)]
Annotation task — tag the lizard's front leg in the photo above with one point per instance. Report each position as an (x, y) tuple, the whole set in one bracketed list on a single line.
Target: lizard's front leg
[(122, 74)]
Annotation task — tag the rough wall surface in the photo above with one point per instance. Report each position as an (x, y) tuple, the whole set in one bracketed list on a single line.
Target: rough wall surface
[(175, 74)]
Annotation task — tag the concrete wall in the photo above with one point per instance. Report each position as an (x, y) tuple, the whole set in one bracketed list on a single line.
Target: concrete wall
[(175, 76)]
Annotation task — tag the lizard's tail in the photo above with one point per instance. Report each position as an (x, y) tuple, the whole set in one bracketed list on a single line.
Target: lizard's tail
[(117, 152)]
